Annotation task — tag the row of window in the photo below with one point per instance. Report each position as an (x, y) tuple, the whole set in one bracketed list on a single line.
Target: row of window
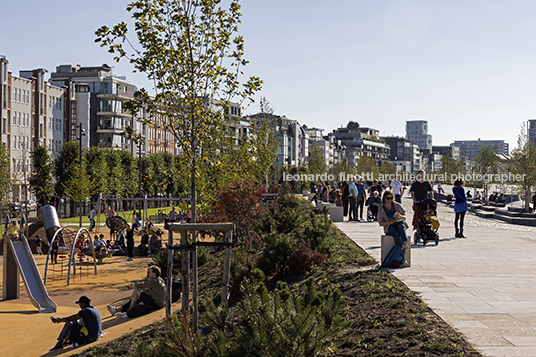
[(21, 96), (54, 102), (20, 165), (54, 145), (21, 142), (21, 119), (55, 124)]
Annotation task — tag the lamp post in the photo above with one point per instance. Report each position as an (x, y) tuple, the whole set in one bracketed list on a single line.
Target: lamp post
[(80, 134)]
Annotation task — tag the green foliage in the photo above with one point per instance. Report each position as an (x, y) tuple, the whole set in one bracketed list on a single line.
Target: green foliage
[(194, 55), (80, 187), (387, 168), (160, 260), (522, 161), (353, 126), (452, 165), (65, 166), (486, 163), (97, 170), (5, 176), (285, 228), (316, 164), (41, 180), (365, 165), (299, 322)]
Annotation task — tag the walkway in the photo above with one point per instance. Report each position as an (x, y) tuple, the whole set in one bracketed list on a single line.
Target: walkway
[(484, 286)]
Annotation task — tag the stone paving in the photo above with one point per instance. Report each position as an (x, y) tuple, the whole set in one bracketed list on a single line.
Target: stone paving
[(484, 286)]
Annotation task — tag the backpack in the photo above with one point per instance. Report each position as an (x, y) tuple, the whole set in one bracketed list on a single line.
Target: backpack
[(347, 191), (395, 258)]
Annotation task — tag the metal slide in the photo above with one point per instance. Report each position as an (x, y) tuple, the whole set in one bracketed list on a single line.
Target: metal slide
[(32, 278)]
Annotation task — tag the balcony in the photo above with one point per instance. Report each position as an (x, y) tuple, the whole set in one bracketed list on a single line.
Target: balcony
[(114, 114), (111, 96), (110, 129), (111, 145)]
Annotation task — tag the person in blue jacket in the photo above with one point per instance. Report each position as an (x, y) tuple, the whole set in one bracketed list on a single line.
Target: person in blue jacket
[(460, 205)]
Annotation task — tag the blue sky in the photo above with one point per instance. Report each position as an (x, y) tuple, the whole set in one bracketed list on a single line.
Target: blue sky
[(468, 67)]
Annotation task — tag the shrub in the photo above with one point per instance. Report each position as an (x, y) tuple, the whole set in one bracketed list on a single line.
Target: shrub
[(303, 258), (301, 322)]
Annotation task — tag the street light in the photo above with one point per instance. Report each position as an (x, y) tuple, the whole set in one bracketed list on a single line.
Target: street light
[(80, 134)]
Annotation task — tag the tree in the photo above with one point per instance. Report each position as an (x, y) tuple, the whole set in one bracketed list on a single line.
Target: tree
[(5, 176), (79, 188), (387, 169), (341, 170), (367, 168), (522, 160), (97, 170), (65, 167), (452, 166), (353, 126), (316, 164), (41, 180), (192, 52), (486, 165)]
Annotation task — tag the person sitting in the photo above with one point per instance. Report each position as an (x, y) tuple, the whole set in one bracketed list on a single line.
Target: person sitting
[(14, 231), (392, 217), (500, 198), (81, 328), (150, 294), (338, 198), (468, 194), (142, 248), (374, 202), (154, 243)]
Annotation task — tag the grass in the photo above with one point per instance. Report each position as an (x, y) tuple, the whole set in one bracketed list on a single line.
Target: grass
[(127, 216)]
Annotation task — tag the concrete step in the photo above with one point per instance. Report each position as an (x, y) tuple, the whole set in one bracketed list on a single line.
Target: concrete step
[(484, 214), (503, 212)]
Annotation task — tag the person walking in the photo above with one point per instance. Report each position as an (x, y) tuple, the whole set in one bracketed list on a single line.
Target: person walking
[(396, 187), (345, 190), (419, 190), (361, 197), (460, 206), (353, 200)]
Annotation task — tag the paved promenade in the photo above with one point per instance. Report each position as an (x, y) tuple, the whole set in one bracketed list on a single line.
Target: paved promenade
[(484, 286)]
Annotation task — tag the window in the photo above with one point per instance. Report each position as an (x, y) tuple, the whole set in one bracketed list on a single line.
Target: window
[(59, 103), (19, 95), (14, 94)]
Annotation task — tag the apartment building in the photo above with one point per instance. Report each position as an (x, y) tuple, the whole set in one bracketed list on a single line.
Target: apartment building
[(471, 148), (417, 133)]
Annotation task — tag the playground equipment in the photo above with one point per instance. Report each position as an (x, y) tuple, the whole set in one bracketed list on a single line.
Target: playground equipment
[(65, 250), (19, 261), (95, 219)]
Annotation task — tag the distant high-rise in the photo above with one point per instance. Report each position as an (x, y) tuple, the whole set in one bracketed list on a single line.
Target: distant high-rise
[(417, 133), (531, 130)]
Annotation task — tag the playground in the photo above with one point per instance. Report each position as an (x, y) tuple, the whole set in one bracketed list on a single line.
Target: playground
[(24, 331)]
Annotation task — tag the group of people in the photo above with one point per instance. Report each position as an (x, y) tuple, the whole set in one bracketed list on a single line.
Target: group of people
[(86, 325)]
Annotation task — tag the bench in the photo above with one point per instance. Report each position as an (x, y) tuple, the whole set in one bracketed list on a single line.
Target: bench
[(100, 256), (388, 242)]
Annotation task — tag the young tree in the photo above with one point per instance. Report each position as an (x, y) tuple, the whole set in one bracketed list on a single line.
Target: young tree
[(5, 176), (387, 169), (192, 51), (452, 166), (97, 169), (316, 165), (522, 160), (41, 180), (366, 166), (486, 165), (65, 166)]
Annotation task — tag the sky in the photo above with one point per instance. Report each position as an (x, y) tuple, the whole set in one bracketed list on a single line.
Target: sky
[(468, 67)]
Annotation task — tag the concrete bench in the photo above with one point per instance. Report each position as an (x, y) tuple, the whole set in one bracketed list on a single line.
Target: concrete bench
[(336, 213), (388, 242)]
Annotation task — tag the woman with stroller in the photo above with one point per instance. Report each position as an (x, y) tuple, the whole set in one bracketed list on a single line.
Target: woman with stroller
[(460, 205), (392, 217)]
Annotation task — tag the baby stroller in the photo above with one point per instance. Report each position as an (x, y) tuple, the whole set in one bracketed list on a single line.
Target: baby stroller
[(428, 223)]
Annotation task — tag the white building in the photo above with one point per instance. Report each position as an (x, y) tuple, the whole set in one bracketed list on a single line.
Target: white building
[(471, 148)]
